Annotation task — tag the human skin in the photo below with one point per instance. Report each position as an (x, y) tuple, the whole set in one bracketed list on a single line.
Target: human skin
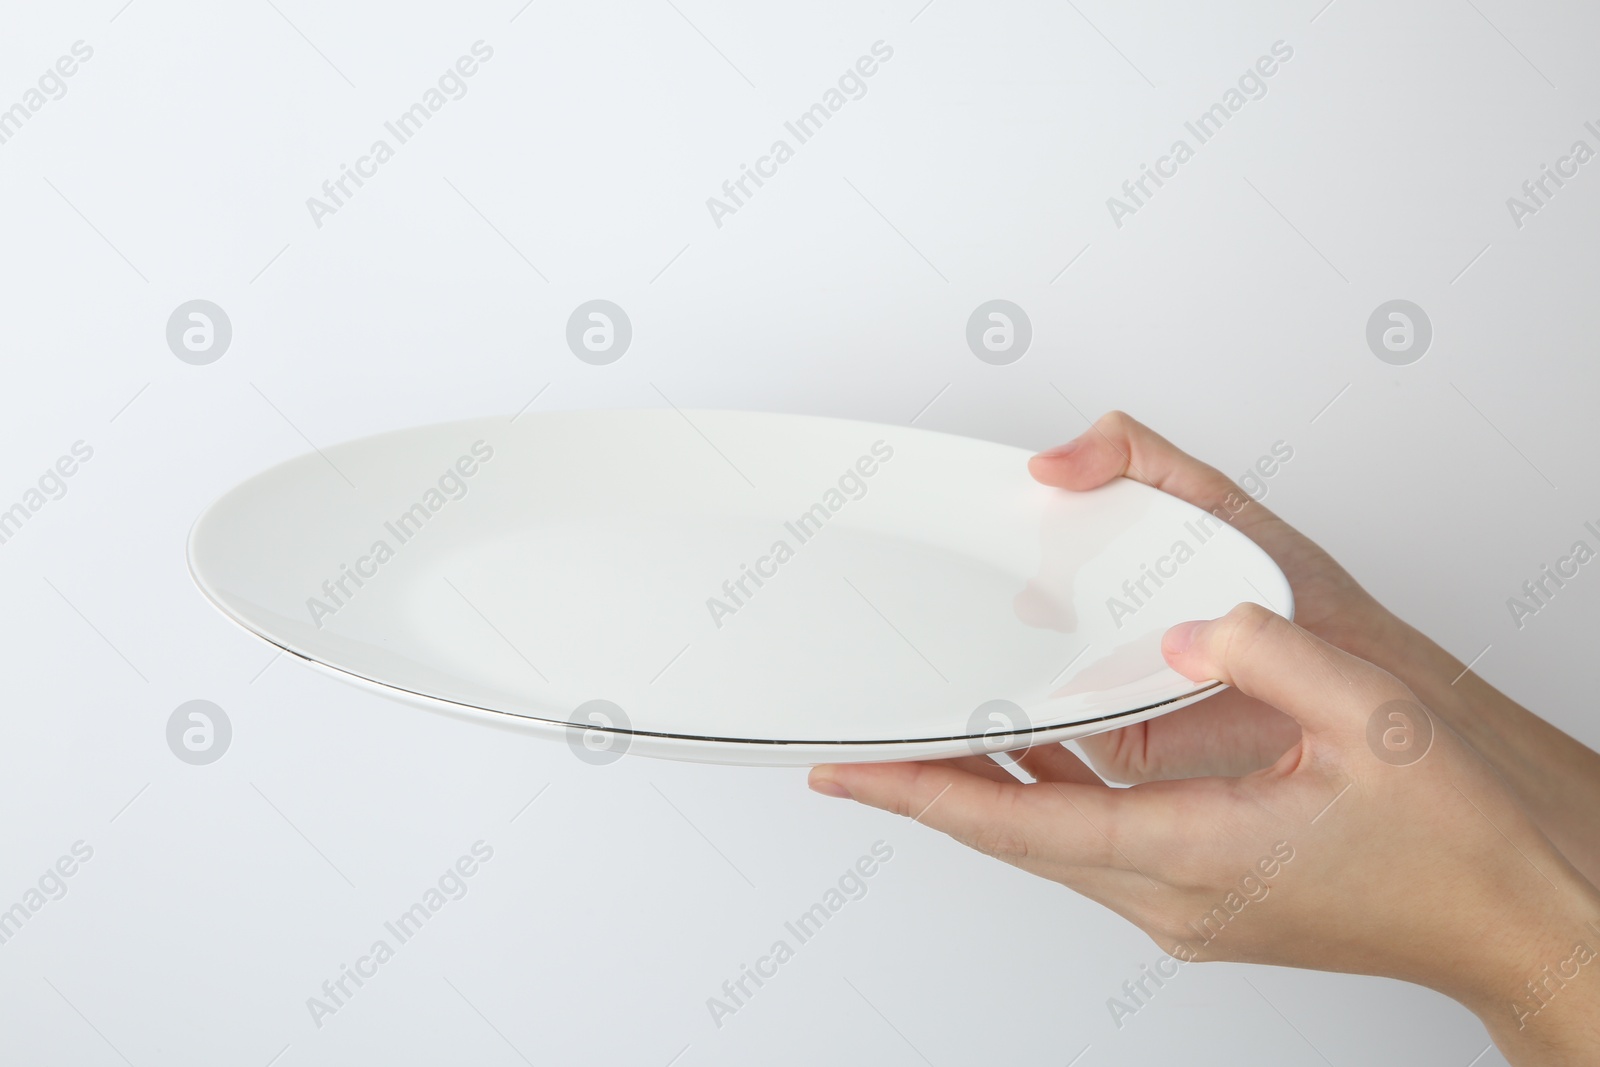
[(1462, 870), (1556, 778)]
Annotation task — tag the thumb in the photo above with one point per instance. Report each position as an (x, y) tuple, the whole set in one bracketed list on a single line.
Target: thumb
[(1266, 656)]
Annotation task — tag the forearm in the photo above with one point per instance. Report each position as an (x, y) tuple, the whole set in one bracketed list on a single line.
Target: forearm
[(1554, 776), (1569, 1037), (1542, 1007)]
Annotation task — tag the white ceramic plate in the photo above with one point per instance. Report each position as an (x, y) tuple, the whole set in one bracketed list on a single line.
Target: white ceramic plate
[(726, 586)]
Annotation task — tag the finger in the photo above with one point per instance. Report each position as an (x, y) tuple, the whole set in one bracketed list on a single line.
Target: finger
[(1117, 444), (1268, 657), (1227, 734), (983, 766), (1057, 763), (1010, 821)]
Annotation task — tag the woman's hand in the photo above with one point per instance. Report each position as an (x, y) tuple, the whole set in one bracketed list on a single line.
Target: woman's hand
[(1339, 855), (1230, 733), (1556, 778)]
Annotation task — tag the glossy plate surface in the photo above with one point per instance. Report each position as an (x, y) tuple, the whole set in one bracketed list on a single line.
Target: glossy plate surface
[(725, 586)]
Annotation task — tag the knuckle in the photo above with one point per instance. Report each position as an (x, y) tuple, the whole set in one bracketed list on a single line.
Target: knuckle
[(901, 805), (1249, 614), (1244, 629), (1118, 423), (1124, 754), (1166, 925), (926, 784), (1253, 623)]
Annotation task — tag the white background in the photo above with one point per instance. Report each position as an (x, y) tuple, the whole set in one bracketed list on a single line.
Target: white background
[(1228, 313)]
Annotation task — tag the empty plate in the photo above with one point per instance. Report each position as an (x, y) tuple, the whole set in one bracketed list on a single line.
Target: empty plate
[(726, 586)]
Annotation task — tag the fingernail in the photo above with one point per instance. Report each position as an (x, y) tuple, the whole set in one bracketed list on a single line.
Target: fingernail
[(830, 788), (1180, 637), (1062, 450)]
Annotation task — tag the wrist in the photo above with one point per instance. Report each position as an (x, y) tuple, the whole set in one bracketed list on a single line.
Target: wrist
[(1555, 777), (1543, 1007)]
